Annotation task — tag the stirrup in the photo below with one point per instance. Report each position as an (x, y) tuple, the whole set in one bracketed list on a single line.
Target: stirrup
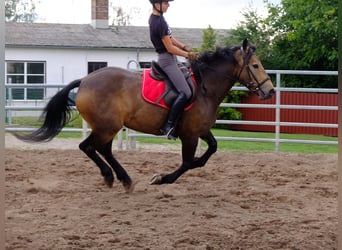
[(170, 134)]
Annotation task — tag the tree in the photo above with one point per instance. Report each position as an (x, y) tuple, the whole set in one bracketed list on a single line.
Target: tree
[(255, 29), (300, 35), (20, 11), (208, 40), (306, 40), (307, 34), (121, 17)]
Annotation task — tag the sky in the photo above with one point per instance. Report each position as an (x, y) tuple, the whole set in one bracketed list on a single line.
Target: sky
[(219, 14)]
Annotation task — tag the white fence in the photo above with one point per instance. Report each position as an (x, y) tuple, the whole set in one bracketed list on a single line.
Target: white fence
[(132, 135)]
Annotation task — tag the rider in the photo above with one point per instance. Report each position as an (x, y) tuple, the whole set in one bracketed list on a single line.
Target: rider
[(168, 47)]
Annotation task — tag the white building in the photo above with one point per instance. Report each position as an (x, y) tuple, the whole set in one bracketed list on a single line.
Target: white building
[(47, 53)]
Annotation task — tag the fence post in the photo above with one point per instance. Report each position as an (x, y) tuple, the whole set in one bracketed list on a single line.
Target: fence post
[(119, 136), (130, 140), (277, 121), (199, 148), (84, 129), (9, 102)]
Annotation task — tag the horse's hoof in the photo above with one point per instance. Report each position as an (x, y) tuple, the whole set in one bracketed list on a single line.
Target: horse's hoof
[(156, 179), (130, 187), (109, 181)]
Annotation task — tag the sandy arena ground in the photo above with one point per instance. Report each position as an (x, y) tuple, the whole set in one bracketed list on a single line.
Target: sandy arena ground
[(56, 199)]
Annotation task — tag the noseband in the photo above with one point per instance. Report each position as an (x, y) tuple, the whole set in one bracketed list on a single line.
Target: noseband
[(250, 85)]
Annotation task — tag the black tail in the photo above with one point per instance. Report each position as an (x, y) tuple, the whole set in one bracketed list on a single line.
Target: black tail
[(56, 115)]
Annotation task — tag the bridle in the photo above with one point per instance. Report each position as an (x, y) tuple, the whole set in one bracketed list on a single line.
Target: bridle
[(250, 85)]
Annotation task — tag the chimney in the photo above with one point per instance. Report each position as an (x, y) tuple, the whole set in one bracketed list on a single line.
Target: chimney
[(99, 14)]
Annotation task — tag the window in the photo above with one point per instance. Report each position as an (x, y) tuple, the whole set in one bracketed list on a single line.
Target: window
[(92, 66), (25, 73)]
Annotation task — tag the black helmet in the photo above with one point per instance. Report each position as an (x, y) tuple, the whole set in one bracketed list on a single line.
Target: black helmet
[(158, 1)]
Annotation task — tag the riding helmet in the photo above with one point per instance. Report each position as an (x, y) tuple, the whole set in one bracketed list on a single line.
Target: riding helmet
[(158, 1)]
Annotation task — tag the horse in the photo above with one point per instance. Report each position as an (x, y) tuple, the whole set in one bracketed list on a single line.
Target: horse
[(110, 98)]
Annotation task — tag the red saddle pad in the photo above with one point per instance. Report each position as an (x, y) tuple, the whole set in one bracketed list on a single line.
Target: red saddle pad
[(152, 91)]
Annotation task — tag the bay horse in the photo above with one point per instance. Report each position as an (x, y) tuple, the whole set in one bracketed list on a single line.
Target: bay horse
[(110, 98)]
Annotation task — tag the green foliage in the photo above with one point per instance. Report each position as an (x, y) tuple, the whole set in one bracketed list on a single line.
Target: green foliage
[(306, 40), (253, 146), (20, 11), (255, 30), (227, 114), (33, 121), (295, 35), (209, 40), (306, 34), (230, 113)]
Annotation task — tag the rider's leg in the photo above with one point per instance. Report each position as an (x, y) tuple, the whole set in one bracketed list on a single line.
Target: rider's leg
[(174, 114), (168, 63)]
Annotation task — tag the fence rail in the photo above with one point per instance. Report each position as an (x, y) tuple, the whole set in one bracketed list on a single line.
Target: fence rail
[(132, 135)]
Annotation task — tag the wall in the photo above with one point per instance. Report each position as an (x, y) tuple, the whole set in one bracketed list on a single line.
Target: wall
[(66, 65), (292, 115)]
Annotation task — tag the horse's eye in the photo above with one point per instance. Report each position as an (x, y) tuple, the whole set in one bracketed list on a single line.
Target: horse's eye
[(255, 65)]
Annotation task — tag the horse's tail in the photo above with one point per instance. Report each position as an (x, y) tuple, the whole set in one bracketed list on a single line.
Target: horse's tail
[(56, 115)]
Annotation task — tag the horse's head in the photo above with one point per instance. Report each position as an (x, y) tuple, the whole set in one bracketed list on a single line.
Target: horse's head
[(252, 74)]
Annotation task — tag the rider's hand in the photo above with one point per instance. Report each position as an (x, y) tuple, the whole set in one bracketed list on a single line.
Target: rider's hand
[(192, 56), (187, 48)]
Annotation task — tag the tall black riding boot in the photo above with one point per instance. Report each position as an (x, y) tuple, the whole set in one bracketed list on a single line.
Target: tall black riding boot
[(175, 111)]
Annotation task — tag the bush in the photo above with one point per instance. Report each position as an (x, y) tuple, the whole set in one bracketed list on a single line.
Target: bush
[(230, 113)]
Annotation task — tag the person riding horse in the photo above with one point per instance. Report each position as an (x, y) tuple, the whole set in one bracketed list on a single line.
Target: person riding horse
[(168, 47), (111, 97)]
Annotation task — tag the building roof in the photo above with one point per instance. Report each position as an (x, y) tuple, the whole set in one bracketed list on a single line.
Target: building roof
[(86, 36)]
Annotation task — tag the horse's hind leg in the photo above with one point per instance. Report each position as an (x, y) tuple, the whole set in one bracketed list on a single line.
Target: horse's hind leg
[(87, 147), (121, 174)]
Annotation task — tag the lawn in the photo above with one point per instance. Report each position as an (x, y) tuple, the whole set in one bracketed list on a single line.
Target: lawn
[(222, 144), (260, 146)]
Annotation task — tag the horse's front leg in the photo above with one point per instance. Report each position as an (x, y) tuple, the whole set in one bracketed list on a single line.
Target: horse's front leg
[(189, 162), (212, 147), (188, 153)]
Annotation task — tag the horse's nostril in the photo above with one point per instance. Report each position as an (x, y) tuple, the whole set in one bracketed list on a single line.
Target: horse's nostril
[(269, 95)]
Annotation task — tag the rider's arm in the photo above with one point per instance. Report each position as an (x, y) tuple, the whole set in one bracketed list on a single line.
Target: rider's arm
[(177, 43), (173, 46)]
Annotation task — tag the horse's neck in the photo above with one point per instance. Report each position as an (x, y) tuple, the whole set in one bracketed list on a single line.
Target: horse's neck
[(218, 90), (217, 81)]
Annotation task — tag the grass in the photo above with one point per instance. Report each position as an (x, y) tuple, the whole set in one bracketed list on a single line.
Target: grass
[(260, 146), (222, 145)]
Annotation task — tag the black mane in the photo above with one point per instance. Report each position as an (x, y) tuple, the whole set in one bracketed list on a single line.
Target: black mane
[(221, 53), (210, 59)]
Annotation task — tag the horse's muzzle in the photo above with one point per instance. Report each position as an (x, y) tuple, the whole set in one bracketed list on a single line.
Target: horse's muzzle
[(265, 96)]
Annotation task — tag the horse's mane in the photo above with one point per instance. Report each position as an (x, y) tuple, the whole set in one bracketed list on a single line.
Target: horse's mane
[(210, 59)]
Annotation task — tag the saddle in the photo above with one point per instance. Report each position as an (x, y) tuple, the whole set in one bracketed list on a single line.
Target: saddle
[(168, 93)]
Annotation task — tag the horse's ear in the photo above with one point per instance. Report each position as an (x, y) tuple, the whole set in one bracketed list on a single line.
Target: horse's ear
[(245, 45)]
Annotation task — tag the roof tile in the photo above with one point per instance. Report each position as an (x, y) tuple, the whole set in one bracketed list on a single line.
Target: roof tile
[(85, 36)]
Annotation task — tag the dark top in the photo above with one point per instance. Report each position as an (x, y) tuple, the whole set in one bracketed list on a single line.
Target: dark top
[(158, 29)]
